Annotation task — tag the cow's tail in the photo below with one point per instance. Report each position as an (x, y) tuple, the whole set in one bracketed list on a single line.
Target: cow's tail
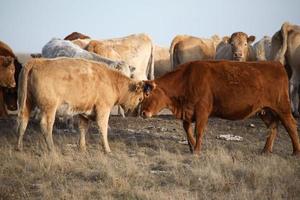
[(22, 87), (173, 56), (151, 63), (173, 44), (284, 33)]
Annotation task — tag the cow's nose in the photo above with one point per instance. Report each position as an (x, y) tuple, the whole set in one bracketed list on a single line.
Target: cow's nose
[(237, 54), (143, 114)]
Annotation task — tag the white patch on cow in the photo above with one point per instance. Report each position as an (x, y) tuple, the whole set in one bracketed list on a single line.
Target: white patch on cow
[(66, 109)]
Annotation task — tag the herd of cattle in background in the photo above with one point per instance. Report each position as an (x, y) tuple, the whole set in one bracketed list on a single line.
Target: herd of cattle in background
[(82, 76)]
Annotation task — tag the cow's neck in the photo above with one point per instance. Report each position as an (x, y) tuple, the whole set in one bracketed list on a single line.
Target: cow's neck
[(173, 85), (122, 89)]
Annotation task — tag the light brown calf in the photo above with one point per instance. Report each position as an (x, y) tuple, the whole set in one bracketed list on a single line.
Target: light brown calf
[(73, 86)]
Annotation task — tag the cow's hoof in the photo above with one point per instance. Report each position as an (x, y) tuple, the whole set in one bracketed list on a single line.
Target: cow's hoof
[(266, 152), (196, 153), (18, 148), (108, 153), (296, 153), (296, 114), (82, 148)]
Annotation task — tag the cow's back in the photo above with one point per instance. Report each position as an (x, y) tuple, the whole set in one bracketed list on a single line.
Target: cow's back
[(235, 86), (59, 81), (232, 89)]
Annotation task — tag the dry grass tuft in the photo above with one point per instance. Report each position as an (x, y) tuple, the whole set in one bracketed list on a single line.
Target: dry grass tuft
[(148, 162)]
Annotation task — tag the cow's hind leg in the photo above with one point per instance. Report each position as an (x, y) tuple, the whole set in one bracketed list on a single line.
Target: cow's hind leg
[(47, 121), (294, 94), (189, 133), (83, 127), (102, 121), (271, 121), (289, 124), (23, 119), (201, 121)]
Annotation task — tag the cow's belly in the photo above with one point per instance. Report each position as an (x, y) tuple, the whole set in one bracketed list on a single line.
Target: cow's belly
[(236, 111), (71, 110)]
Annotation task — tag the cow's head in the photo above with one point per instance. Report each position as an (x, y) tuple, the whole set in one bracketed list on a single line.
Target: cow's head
[(10, 98), (155, 99), (7, 72), (240, 42), (134, 96)]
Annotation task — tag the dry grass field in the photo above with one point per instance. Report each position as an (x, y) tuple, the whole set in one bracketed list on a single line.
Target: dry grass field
[(148, 161)]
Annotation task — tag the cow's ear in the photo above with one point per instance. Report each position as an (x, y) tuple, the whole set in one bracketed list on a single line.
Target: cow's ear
[(226, 39), (251, 39), (148, 87), (137, 87), (7, 60)]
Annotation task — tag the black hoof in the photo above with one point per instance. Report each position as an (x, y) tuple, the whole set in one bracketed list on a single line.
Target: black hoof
[(296, 114)]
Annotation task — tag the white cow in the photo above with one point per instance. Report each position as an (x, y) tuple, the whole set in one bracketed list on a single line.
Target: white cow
[(286, 48), (262, 48), (64, 48), (137, 50)]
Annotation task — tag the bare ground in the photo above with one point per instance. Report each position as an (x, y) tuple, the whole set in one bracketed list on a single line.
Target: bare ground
[(149, 161)]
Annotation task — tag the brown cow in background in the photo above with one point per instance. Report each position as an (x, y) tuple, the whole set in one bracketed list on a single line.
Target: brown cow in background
[(75, 36), (8, 96), (225, 89), (7, 72)]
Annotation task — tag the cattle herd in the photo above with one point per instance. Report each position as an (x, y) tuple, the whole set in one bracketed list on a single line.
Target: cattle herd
[(196, 78)]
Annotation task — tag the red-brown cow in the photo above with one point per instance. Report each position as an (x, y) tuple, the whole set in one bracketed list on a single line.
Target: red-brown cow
[(75, 36), (225, 89), (8, 96)]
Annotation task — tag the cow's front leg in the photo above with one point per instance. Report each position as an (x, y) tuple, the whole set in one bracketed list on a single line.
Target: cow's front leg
[(189, 133), (83, 127), (294, 95), (121, 111), (102, 121)]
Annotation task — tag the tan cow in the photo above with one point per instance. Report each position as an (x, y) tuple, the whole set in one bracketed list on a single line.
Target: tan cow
[(286, 48), (185, 48), (262, 49), (137, 50), (162, 63), (73, 86), (238, 48)]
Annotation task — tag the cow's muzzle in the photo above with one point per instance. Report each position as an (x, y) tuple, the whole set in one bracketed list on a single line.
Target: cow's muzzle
[(146, 114)]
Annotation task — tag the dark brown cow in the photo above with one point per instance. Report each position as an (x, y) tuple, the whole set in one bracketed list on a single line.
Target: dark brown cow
[(8, 96), (75, 36), (225, 89)]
